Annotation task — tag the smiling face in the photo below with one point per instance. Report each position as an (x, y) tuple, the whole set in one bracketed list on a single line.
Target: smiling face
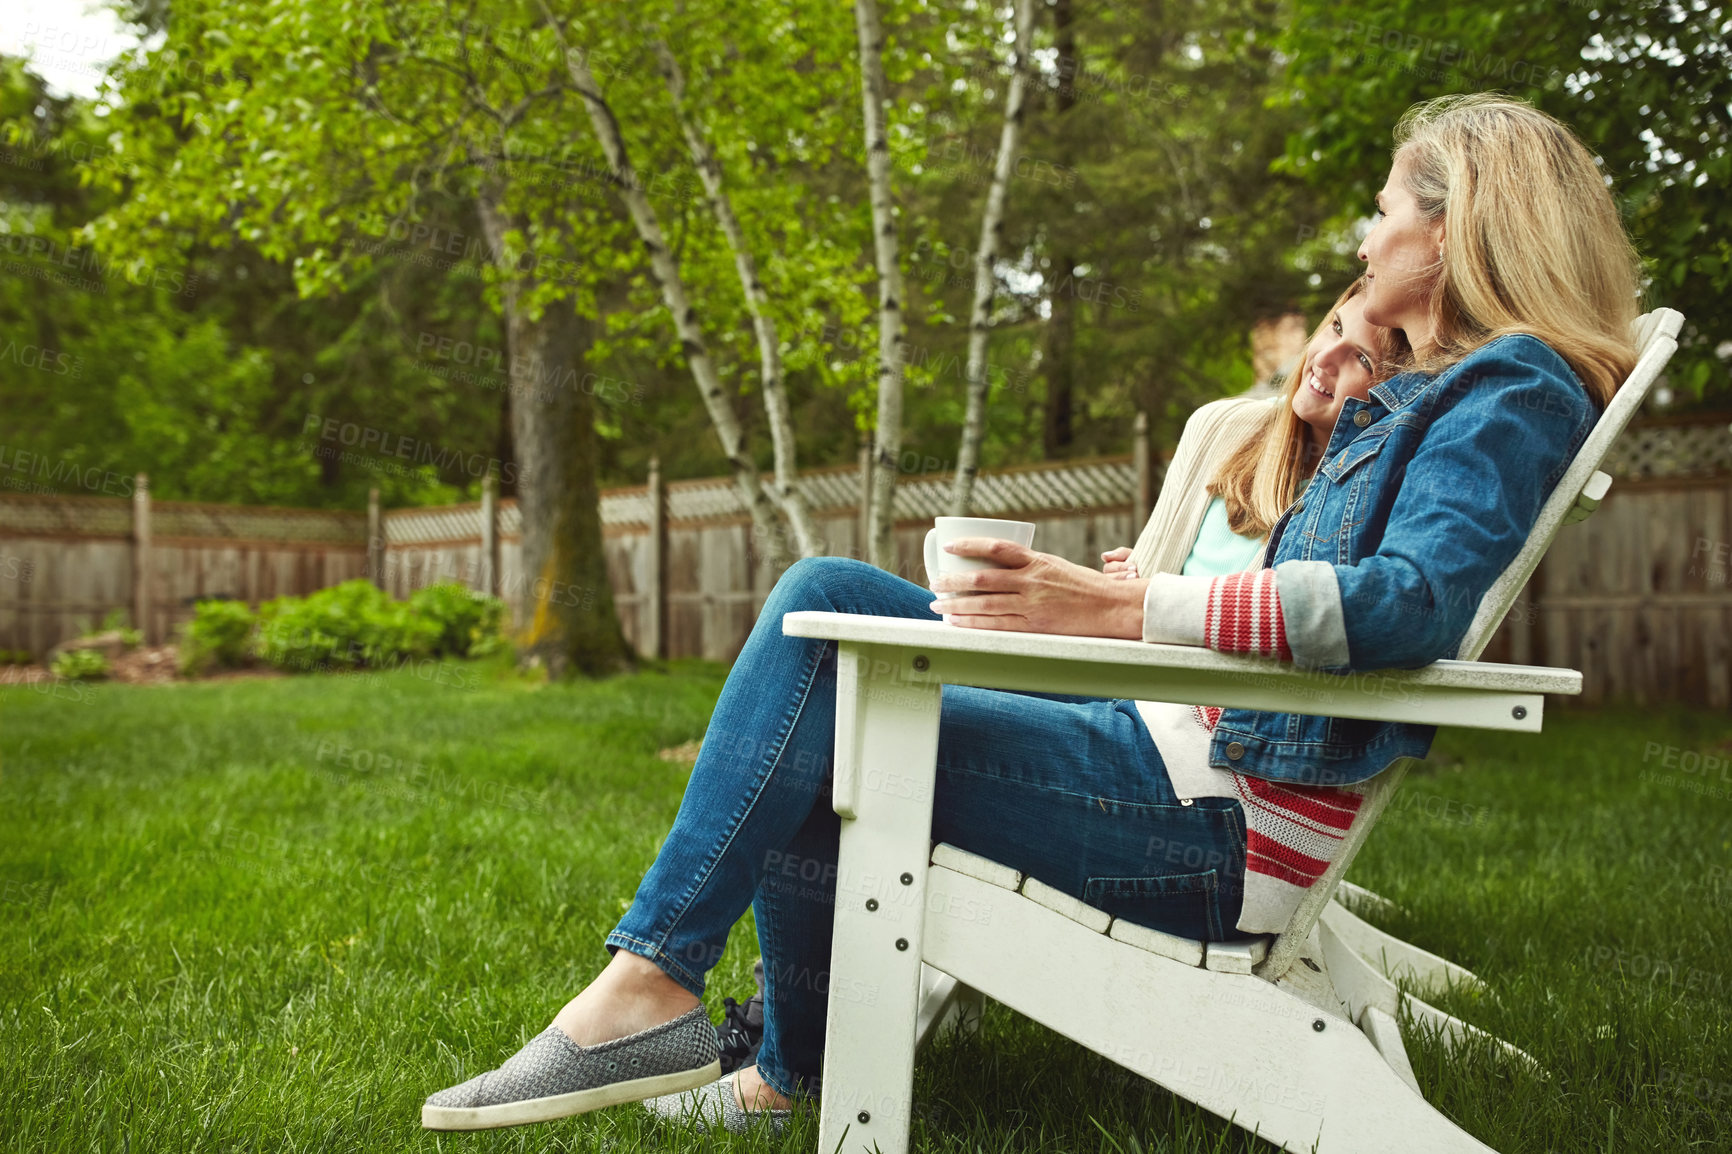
[(1403, 254), (1340, 362)]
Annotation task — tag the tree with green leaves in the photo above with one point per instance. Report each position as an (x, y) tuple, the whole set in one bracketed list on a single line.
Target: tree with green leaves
[(419, 177), (323, 133)]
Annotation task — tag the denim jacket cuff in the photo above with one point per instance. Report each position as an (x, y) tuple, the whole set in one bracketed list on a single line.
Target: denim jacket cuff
[(1174, 608), (1310, 596)]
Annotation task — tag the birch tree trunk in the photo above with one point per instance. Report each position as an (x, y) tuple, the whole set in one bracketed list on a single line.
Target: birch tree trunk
[(991, 230), (881, 518), (787, 490), (562, 591), (766, 525)]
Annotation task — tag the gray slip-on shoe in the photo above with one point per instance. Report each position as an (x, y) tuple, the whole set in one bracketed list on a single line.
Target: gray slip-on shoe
[(554, 1077), (715, 1105)]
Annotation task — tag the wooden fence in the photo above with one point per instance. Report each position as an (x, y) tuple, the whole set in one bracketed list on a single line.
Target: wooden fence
[(717, 576), (66, 562), (1638, 597)]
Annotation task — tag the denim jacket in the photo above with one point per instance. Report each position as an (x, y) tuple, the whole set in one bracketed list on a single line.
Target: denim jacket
[(1426, 493)]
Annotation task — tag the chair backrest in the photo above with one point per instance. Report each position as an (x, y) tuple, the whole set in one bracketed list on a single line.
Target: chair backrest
[(1656, 340)]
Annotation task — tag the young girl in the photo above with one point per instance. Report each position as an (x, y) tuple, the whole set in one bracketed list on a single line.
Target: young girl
[(1242, 460), (1499, 254)]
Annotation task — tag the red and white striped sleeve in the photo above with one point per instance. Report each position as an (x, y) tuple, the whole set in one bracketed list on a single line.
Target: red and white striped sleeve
[(1244, 616), (1238, 613)]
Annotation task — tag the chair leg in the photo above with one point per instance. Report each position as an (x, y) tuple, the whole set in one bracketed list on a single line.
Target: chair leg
[(1351, 896), (966, 1012), (1361, 986), (866, 1096), (946, 1006), (1385, 1033), (1397, 959)]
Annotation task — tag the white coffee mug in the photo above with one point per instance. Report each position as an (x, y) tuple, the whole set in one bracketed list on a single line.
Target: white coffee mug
[(947, 529)]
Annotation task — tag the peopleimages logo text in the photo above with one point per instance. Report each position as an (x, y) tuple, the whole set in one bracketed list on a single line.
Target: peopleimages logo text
[(62, 474), (386, 444)]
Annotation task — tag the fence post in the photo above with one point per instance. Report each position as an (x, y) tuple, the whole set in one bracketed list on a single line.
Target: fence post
[(375, 541), (143, 591), (489, 534), (1145, 475), (653, 606)]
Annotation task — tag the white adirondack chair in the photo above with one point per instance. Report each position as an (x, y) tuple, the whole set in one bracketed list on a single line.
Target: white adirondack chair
[(1296, 1040)]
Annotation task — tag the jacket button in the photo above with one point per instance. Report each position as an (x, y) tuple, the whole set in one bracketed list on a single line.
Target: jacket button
[(1235, 751), (1362, 418)]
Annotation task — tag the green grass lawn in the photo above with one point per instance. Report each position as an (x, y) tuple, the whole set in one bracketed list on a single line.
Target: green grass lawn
[(275, 915)]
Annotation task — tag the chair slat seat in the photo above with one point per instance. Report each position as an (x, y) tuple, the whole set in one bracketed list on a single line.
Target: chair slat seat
[(976, 866), (1063, 904), (1223, 957), (1183, 950)]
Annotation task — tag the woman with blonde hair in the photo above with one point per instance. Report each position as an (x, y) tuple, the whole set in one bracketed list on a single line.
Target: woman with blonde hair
[(1499, 254)]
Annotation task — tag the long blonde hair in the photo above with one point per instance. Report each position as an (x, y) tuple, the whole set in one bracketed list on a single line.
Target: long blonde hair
[(1531, 239), (1260, 477)]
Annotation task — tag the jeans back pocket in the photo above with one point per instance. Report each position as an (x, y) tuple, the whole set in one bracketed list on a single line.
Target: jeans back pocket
[(1187, 905)]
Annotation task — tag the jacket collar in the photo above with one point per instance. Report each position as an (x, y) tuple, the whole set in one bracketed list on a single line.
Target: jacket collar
[(1393, 395), (1403, 389)]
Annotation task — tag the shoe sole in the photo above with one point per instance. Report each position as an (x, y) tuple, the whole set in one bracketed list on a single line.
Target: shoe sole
[(565, 1105)]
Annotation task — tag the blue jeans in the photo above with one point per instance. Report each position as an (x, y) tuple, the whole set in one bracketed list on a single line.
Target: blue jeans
[(1069, 790)]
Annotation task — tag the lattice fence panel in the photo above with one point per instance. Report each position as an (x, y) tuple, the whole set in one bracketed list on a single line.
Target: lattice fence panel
[(625, 507), (1655, 451), (248, 523), (1066, 488), (421, 526), (834, 490), (52, 516)]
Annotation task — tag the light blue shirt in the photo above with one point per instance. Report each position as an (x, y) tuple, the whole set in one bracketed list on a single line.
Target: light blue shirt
[(1218, 550)]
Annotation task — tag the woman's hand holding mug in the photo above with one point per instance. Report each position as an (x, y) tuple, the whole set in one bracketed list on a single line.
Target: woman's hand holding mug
[(1020, 589)]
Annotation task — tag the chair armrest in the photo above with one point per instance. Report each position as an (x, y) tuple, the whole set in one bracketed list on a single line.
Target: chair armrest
[(1476, 694), (910, 660)]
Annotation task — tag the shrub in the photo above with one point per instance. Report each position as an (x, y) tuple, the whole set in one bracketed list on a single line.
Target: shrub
[(345, 626), (81, 665), (116, 621), (356, 624), (16, 657), (220, 633), (466, 619)]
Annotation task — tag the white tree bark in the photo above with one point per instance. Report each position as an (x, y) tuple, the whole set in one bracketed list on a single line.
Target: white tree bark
[(991, 230), (873, 98), (787, 490), (767, 526)]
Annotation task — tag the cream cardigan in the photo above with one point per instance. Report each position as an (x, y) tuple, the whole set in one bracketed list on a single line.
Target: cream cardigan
[(1211, 434), (1282, 823)]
